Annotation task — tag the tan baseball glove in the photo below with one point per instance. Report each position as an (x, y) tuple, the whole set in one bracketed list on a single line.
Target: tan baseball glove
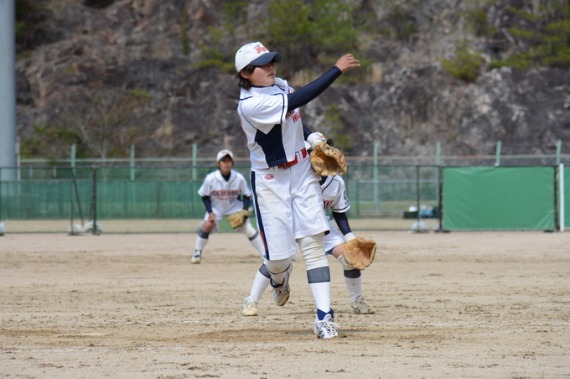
[(360, 252), (238, 218), (328, 160)]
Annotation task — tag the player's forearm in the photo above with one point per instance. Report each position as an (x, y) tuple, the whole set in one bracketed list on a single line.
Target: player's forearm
[(305, 94), (342, 222), (207, 203), (246, 202)]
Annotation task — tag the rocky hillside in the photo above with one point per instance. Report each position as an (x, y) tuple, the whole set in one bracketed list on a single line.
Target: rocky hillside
[(105, 75)]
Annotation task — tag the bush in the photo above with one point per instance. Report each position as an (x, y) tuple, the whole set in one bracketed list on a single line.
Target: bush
[(465, 65)]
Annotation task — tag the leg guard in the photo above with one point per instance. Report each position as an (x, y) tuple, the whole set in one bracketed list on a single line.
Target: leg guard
[(318, 272), (313, 251), (344, 264), (277, 269)]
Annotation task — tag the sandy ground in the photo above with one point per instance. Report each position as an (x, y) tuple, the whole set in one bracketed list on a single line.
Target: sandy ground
[(448, 305)]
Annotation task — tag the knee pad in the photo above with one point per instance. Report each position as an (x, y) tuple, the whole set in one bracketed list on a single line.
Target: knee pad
[(344, 264), (278, 266), (264, 271), (249, 230), (313, 251)]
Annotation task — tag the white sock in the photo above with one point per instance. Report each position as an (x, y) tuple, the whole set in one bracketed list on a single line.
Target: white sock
[(260, 284), (322, 295), (200, 243), (354, 286)]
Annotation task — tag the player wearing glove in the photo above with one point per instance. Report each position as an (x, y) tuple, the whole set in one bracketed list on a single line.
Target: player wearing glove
[(335, 200), (288, 201), (238, 218), (359, 252), (220, 192), (325, 158)]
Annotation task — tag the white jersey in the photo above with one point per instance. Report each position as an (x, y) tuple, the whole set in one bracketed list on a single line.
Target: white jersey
[(334, 195), (335, 199), (288, 199), (225, 195), (273, 134)]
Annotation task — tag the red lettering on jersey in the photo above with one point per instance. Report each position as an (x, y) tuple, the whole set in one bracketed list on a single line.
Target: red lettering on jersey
[(225, 194), (269, 177), (295, 114)]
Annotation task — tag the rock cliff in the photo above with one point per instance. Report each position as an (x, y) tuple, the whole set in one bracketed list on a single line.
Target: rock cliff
[(106, 75)]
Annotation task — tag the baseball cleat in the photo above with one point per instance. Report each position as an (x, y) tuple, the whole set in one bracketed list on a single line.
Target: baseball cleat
[(197, 256), (249, 307), (359, 306), (281, 292), (325, 328)]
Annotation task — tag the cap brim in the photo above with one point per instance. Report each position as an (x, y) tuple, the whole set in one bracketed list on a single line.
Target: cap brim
[(224, 156), (266, 58)]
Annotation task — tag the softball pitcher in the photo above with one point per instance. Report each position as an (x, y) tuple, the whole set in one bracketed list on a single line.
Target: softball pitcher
[(286, 191)]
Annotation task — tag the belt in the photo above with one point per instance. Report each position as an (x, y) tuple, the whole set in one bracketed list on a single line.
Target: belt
[(301, 153)]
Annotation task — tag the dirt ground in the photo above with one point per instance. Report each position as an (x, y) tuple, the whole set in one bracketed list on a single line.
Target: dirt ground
[(448, 305)]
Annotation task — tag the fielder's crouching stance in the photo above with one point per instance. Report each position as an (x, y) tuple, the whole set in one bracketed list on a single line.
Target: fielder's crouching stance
[(286, 191), (220, 192)]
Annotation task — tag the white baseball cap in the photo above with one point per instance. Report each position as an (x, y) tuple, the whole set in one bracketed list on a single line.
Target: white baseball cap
[(256, 54), (222, 153)]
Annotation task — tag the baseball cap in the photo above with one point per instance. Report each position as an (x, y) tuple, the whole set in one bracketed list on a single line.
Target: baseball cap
[(256, 54), (222, 153)]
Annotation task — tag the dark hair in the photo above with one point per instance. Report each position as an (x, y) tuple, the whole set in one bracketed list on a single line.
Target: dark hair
[(243, 82)]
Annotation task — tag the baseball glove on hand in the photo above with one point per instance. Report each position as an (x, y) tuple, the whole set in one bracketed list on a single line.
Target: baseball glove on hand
[(360, 252), (328, 160), (238, 218)]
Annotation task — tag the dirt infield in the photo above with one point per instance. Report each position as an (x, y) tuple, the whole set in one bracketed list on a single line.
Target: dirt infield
[(448, 305)]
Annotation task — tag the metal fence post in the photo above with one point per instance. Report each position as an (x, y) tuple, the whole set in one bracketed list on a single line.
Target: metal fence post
[(194, 176), (94, 230), (132, 162), (561, 205), (440, 198), (498, 154), (375, 176), (1, 196)]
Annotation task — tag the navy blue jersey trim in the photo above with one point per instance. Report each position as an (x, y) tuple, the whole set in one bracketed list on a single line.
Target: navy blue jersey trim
[(259, 219), (272, 145)]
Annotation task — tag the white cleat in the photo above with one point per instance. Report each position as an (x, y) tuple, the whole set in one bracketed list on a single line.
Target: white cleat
[(281, 292), (196, 257), (359, 306), (325, 328), (249, 307)]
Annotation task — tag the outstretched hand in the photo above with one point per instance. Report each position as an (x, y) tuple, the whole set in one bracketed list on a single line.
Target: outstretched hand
[(347, 62)]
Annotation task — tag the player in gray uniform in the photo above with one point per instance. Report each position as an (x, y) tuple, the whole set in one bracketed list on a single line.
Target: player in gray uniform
[(286, 191), (335, 200), (221, 192)]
